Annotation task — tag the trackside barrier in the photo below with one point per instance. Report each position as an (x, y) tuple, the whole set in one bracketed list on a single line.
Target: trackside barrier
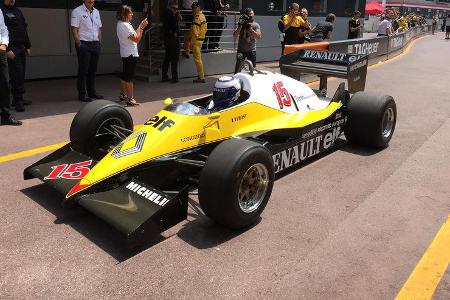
[(377, 48)]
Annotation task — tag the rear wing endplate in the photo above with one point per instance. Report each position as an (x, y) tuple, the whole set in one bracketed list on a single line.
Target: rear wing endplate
[(352, 67)]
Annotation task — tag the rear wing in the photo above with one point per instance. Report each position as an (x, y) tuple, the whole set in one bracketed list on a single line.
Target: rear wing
[(352, 67)]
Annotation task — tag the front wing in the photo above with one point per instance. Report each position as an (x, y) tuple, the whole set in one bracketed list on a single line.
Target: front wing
[(134, 208)]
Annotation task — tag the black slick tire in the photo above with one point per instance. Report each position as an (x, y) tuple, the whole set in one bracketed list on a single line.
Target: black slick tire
[(89, 120), (224, 177), (371, 119)]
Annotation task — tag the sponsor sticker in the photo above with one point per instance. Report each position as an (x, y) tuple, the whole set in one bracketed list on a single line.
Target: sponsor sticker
[(192, 137), (160, 122), (324, 55), (358, 65), (283, 97), (364, 48), (131, 145), (328, 134), (74, 171), (147, 193), (238, 118)]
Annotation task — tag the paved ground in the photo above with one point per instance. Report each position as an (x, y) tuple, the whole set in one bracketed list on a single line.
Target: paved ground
[(352, 225)]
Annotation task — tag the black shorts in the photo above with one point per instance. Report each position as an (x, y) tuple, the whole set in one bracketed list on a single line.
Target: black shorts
[(447, 29), (129, 68)]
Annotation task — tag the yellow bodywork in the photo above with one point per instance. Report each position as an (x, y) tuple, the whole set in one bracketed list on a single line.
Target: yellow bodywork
[(190, 131)]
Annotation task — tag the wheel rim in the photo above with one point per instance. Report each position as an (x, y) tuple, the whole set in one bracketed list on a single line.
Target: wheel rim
[(103, 138), (388, 122), (253, 188)]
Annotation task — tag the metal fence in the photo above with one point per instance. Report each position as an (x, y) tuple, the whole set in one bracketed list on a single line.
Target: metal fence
[(220, 30)]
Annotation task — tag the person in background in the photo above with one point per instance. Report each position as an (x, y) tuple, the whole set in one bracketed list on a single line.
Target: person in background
[(447, 27), (187, 4), (19, 48), (354, 26), (323, 30), (385, 27), (128, 40), (434, 22), (86, 30), (248, 32), (171, 31), (282, 34), (215, 22), (402, 24), (5, 115), (187, 18), (305, 29), (292, 23), (198, 32)]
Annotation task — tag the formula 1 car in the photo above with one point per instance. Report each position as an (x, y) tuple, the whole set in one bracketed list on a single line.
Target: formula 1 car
[(138, 180)]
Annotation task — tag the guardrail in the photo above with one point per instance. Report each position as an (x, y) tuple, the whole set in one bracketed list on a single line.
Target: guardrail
[(376, 48)]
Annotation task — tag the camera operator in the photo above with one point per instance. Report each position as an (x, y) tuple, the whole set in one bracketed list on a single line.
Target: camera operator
[(292, 24), (248, 32)]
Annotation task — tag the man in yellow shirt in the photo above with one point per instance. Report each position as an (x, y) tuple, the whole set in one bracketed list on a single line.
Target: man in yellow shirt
[(402, 24), (292, 23), (197, 34)]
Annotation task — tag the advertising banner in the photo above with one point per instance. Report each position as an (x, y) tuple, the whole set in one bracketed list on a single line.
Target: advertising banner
[(396, 42), (373, 47)]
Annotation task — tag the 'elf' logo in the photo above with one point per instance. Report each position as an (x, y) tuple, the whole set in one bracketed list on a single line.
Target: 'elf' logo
[(160, 122)]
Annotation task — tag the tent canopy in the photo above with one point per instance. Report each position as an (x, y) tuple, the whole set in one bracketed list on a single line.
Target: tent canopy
[(374, 8)]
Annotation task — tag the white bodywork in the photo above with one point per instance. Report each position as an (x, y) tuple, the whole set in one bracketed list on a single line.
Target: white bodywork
[(260, 87)]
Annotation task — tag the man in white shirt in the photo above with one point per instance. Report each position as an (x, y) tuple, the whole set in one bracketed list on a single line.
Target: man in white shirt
[(86, 30), (5, 116), (385, 27)]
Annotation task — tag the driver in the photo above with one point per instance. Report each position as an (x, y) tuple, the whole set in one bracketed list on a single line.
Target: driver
[(225, 94)]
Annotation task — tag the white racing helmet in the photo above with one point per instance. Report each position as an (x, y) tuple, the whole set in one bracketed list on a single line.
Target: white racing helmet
[(226, 91)]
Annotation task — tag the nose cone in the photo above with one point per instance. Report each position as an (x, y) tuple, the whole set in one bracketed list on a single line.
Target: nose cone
[(164, 134)]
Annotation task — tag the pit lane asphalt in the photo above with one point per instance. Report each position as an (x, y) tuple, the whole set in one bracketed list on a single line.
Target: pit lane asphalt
[(352, 225)]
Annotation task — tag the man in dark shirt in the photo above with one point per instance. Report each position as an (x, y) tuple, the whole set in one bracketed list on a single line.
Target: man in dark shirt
[(248, 32), (324, 29), (354, 26), (215, 21), (19, 47), (171, 31), (5, 115)]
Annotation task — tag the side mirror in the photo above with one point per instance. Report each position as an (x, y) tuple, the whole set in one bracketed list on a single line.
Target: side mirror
[(213, 123), (214, 116), (168, 101)]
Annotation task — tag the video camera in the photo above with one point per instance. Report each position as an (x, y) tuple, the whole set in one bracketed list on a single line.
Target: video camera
[(245, 20)]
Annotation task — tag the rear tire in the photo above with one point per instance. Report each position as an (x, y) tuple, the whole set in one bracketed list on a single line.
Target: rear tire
[(87, 132), (371, 119), (236, 183)]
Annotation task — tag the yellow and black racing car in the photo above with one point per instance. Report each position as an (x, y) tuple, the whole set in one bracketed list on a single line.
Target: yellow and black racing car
[(230, 145)]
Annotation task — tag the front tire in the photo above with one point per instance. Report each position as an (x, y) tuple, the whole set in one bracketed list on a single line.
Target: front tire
[(91, 127), (371, 119), (236, 183)]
